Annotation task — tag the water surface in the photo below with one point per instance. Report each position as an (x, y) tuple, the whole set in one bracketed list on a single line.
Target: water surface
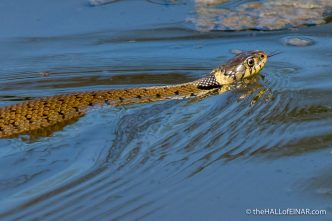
[(207, 159)]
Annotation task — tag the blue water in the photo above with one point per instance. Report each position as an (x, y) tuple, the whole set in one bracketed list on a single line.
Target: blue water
[(207, 159)]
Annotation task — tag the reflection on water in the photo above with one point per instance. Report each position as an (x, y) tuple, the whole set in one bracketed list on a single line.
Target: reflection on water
[(263, 144)]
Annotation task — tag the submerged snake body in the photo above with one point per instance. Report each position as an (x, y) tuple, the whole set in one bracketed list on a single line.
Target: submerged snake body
[(25, 117), (44, 112)]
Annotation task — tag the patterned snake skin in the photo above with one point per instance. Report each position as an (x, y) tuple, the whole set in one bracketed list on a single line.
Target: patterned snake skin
[(39, 114)]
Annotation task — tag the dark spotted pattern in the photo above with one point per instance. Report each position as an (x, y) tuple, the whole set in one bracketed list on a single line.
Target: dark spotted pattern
[(209, 82), (34, 115), (48, 112)]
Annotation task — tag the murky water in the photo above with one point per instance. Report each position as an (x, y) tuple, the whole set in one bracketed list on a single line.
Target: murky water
[(207, 159)]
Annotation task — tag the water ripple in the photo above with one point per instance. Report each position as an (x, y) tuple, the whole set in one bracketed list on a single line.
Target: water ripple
[(184, 158)]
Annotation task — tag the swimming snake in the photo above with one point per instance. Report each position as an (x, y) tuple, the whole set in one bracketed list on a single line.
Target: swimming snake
[(44, 112)]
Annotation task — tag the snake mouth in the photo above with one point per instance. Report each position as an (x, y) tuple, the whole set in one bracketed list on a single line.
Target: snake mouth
[(273, 54)]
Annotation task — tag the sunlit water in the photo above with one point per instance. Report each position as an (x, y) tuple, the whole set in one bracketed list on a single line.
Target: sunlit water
[(208, 159)]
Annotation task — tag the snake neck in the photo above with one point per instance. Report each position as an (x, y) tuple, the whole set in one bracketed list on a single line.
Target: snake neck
[(150, 94)]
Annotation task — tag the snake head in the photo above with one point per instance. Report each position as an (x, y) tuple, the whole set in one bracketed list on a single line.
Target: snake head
[(243, 65), (254, 62)]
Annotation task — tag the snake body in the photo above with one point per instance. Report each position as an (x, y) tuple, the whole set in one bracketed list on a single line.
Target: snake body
[(41, 113)]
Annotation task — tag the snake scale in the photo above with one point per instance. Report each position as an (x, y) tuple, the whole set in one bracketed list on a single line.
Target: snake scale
[(41, 113)]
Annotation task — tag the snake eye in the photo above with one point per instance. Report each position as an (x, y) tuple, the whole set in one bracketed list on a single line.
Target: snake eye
[(250, 62)]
